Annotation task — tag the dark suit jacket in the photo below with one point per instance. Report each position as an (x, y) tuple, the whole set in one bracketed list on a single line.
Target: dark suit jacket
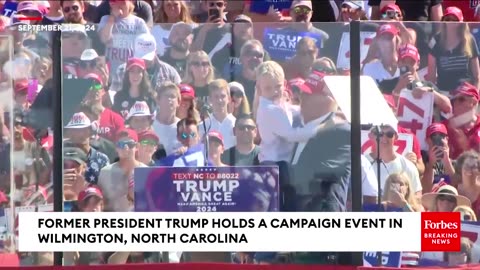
[(320, 179)]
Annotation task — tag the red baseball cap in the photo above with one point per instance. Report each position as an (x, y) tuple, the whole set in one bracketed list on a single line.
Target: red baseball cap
[(391, 7), (467, 89), (129, 133), (21, 86), (409, 50), (454, 11), (436, 128), (89, 192), (139, 62), (186, 90), (314, 83), (387, 29), (148, 134), (216, 135)]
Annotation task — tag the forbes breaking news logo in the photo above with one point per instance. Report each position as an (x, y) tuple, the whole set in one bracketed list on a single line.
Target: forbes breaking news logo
[(441, 231)]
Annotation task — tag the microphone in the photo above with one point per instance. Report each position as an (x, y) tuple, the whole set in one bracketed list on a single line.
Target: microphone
[(206, 109)]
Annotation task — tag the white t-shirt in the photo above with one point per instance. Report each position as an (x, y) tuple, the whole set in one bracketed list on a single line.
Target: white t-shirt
[(124, 32), (167, 135), (376, 70), (369, 179), (225, 128), (398, 165)]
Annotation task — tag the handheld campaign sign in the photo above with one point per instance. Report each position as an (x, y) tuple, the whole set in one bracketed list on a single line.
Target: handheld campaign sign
[(343, 58), (9, 9), (374, 108), (194, 157), (416, 114), (281, 43), (207, 189), (262, 6)]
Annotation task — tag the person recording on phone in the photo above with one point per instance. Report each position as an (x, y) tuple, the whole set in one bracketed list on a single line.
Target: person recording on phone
[(408, 64), (215, 33), (75, 164), (464, 126), (438, 163)]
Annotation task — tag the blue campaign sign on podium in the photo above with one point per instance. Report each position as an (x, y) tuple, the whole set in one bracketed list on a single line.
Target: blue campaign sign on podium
[(389, 259), (207, 189)]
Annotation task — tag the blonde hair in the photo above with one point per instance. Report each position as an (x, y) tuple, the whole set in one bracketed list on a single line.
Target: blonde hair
[(409, 197), (189, 79), (219, 84), (161, 17), (306, 41), (463, 33), (465, 210), (166, 86), (269, 69)]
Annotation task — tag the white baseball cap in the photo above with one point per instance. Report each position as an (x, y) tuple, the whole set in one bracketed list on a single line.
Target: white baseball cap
[(353, 4), (304, 3), (88, 55), (140, 108), (145, 47), (79, 120)]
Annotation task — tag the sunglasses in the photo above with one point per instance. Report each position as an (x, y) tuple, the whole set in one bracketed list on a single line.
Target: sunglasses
[(96, 87), (129, 143), (72, 8), (148, 142), (302, 10), (88, 64), (198, 64), (389, 134), (438, 136), (326, 70), (255, 54), (447, 198), (246, 127), (187, 135), (217, 4), (392, 14), (449, 19)]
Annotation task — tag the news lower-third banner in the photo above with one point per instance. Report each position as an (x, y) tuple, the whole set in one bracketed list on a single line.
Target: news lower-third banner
[(239, 231)]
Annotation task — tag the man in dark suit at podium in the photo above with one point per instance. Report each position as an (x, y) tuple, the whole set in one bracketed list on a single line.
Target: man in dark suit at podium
[(321, 167)]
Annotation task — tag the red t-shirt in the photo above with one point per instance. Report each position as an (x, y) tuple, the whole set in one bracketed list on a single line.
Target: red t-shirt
[(416, 143), (473, 136), (110, 123), (467, 7)]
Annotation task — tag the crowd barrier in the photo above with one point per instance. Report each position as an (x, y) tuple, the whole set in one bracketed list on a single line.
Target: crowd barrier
[(213, 266)]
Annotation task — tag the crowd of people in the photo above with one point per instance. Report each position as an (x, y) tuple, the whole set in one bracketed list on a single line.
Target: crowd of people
[(145, 80)]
